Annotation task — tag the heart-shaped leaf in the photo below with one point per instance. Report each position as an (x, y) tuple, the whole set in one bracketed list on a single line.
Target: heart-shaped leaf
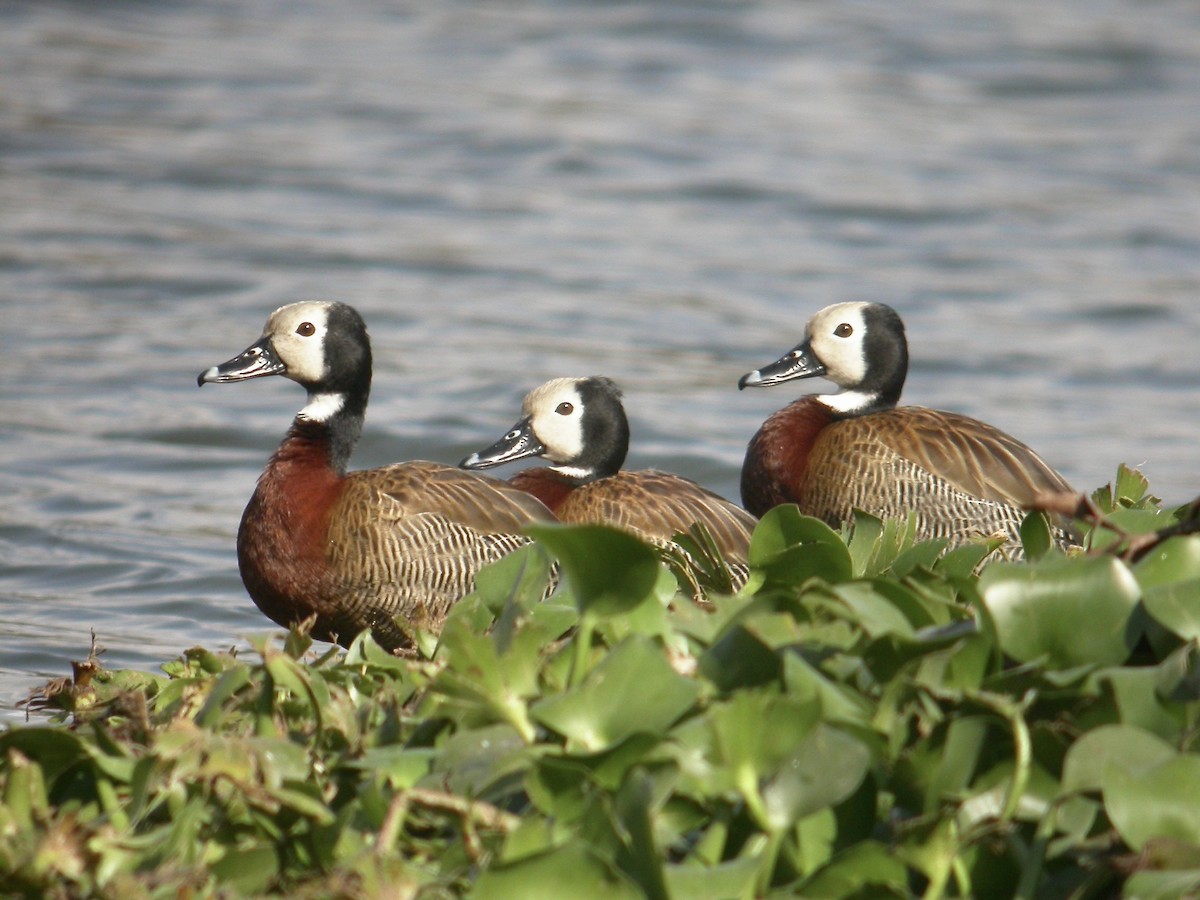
[(613, 702), (1157, 803), (1041, 610), (1125, 746), (788, 546)]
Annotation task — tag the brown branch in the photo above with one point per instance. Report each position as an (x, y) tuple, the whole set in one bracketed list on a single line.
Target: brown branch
[(1129, 546), (472, 814)]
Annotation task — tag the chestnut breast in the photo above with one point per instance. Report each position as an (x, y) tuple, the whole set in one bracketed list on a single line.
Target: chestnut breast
[(776, 467), (283, 539), (547, 485)]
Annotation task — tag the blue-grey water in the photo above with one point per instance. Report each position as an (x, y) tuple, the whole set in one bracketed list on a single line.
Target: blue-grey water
[(657, 191)]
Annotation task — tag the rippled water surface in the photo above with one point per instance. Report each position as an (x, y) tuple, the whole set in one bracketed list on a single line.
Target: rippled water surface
[(660, 192)]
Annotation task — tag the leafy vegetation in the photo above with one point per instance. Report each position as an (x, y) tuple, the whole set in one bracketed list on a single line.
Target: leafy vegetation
[(869, 717)]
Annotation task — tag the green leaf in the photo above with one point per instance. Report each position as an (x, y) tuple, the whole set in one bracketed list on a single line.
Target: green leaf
[(785, 527), (961, 562), (816, 834), (863, 539), (402, 766), (292, 676), (825, 768), (638, 856), (758, 730), (480, 678), (735, 878), (789, 547), (897, 538), (867, 869), (1040, 609), (1178, 677), (1169, 885), (1157, 803), (955, 767), (960, 664), (1170, 578), (610, 571), (363, 650), (53, 749), (225, 688), (24, 791), (1175, 559), (633, 689), (517, 579), (739, 659), (875, 613), (249, 869), (1139, 702), (306, 800), (838, 703), (571, 871), (1131, 485), (756, 737), (473, 761), (919, 556), (1140, 521), (1129, 748), (1176, 606), (1036, 539)]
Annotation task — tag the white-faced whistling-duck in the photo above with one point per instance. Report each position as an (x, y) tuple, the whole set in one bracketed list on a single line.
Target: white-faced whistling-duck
[(579, 425), (389, 549), (856, 449)]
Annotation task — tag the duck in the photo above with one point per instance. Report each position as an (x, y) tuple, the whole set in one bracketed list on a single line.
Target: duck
[(389, 549), (831, 454), (579, 425)]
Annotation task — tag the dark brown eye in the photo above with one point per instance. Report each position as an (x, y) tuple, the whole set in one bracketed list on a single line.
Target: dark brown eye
[(306, 329), (564, 408), (844, 330)]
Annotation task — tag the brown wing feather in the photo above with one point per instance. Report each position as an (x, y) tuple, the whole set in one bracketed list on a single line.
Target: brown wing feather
[(409, 539), (659, 505), (958, 476), (971, 455), (483, 503)]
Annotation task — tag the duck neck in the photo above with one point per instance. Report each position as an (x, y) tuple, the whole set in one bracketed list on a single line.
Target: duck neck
[(333, 423), (576, 474), (848, 404)]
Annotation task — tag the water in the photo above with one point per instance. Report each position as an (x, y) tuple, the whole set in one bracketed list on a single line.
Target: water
[(660, 192)]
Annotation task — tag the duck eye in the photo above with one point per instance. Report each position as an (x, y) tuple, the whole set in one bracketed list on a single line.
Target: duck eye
[(564, 408), (306, 329), (844, 330)]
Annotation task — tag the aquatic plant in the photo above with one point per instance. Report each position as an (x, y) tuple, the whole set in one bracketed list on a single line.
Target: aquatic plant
[(869, 717)]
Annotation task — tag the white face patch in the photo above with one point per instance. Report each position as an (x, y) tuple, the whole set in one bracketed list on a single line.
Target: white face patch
[(555, 411), (322, 407), (297, 332), (837, 335)]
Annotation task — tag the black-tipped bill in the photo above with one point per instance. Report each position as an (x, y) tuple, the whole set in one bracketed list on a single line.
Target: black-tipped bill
[(519, 443), (255, 361), (799, 362)]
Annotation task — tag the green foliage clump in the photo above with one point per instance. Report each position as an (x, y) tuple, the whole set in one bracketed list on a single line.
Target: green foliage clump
[(868, 717)]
